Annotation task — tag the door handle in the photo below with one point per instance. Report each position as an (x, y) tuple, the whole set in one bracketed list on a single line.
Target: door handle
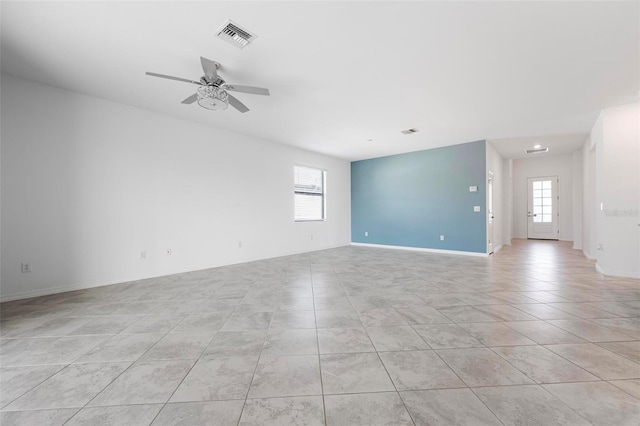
[(532, 215)]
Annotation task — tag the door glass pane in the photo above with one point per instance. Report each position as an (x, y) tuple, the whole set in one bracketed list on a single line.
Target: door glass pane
[(542, 199)]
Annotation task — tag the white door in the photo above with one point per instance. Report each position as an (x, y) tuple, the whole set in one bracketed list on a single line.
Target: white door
[(490, 214), (542, 208)]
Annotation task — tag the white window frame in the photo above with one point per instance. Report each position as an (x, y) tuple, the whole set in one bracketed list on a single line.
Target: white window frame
[(323, 194)]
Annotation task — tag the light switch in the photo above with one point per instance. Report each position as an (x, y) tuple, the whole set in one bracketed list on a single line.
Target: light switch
[(473, 189), (476, 209)]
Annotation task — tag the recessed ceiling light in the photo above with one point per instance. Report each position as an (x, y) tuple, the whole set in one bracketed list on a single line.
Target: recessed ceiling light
[(537, 146)]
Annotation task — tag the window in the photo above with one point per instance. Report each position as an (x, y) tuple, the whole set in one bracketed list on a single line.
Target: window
[(309, 193), (542, 202)]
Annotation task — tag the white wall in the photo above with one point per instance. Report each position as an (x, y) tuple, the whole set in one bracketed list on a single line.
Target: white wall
[(507, 202), (559, 165), (589, 194), (495, 165), (577, 188), (87, 184), (618, 191)]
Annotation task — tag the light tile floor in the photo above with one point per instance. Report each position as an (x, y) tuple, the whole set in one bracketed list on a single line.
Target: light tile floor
[(532, 335)]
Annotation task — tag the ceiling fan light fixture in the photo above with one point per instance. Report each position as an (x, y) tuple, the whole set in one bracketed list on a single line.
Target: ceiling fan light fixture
[(211, 97)]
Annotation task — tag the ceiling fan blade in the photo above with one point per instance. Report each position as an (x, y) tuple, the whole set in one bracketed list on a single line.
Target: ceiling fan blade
[(234, 102), (191, 99), (247, 89), (210, 68), (186, 80)]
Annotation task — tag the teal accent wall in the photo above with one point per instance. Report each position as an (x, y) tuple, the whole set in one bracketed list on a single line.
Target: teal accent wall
[(411, 199)]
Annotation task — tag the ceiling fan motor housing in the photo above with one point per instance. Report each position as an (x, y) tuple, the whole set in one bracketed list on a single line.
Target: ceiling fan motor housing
[(207, 82)]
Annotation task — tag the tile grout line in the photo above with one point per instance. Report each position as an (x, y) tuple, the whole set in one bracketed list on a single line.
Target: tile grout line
[(123, 371), (34, 386), (132, 364), (190, 369), (454, 372), (315, 319), (264, 341)]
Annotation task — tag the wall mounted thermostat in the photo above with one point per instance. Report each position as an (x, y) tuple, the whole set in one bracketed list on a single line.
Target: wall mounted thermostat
[(476, 209), (473, 189)]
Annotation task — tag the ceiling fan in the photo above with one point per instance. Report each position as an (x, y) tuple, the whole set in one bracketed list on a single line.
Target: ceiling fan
[(212, 93)]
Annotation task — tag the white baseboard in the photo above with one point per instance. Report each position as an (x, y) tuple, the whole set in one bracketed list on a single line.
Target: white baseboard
[(497, 249), (428, 250), (120, 280), (621, 274), (48, 291)]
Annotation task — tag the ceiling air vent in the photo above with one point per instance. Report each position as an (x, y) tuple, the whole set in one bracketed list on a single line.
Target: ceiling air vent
[(235, 35), (409, 131), (536, 151)]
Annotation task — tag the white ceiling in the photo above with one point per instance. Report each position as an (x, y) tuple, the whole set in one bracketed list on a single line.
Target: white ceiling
[(341, 73), (558, 145)]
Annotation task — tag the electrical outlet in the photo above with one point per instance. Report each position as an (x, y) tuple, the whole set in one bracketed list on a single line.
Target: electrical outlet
[(476, 209), (441, 237), (311, 237), (239, 244), (168, 252), (26, 267), (366, 233), (143, 254)]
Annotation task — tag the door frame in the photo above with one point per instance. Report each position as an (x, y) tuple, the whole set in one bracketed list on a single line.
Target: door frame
[(490, 211), (557, 205)]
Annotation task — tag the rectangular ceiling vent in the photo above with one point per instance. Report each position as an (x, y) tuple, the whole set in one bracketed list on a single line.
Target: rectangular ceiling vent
[(409, 131), (235, 35), (536, 151)]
